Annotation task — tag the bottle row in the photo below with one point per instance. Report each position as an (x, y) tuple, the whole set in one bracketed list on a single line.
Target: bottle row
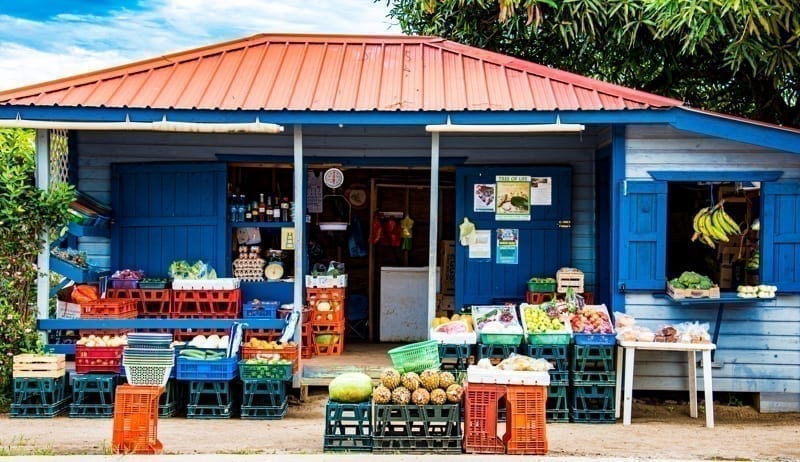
[(265, 209)]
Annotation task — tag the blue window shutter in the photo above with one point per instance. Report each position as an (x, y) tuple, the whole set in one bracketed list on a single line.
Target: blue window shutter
[(642, 235), (780, 236)]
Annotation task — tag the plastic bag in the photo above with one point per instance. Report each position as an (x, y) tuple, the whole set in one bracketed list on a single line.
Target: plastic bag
[(693, 332), (517, 362), (357, 243)]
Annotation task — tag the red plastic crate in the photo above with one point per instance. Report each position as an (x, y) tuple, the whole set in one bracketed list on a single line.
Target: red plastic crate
[(122, 308), (206, 304), (155, 303), (526, 420), (335, 298), (481, 402), (102, 332), (136, 420), (537, 298), (97, 359)]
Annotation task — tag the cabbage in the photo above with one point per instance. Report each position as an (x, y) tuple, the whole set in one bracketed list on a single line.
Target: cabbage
[(350, 387)]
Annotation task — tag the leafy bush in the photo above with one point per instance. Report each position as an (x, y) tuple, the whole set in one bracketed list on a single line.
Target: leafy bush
[(27, 214)]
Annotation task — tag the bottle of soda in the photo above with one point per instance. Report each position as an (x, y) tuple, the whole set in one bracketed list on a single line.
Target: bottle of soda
[(285, 209)]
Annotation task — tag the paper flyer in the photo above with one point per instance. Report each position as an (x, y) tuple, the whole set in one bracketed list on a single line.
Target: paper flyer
[(542, 191), (513, 198), (482, 245), (507, 246), (483, 198)]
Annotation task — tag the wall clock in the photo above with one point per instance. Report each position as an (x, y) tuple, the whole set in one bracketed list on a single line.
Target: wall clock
[(356, 195), (333, 178)]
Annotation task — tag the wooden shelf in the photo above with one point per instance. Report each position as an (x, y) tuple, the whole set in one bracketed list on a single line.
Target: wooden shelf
[(265, 224)]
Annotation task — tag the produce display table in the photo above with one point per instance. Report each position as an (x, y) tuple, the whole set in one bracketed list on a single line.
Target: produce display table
[(628, 351)]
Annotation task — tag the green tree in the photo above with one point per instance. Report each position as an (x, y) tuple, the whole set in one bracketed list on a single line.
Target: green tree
[(26, 213), (738, 57)]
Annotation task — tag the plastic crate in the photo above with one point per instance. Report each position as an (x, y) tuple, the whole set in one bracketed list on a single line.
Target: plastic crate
[(595, 339), (41, 411), (547, 287), (592, 364), (557, 409), (207, 393), (413, 428), (124, 283), (334, 297), (481, 403), (558, 356), (136, 420), (154, 303), (206, 304), (537, 298), (153, 284), (416, 357), (97, 359), (348, 427), (496, 353), (39, 391), (263, 392), (289, 352), (593, 404), (93, 389), (327, 338), (456, 357), (263, 371), (121, 308), (206, 370), (526, 424), (264, 412), (260, 310), (500, 339)]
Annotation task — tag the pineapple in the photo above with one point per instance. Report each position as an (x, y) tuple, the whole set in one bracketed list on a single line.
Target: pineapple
[(390, 378), (438, 396), (401, 395), (446, 379), (420, 397), (454, 393), (429, 379), (381, 395), (410, 380)]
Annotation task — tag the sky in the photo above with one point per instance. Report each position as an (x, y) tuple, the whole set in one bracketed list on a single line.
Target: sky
[(42, 40)]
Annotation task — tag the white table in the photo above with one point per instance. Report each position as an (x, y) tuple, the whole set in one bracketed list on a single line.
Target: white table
[(627, 350)]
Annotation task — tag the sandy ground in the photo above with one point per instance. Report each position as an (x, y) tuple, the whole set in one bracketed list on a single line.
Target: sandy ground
[(663, 431)]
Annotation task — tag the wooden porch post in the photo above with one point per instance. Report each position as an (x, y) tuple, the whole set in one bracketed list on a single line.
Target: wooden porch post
[(434, 225)]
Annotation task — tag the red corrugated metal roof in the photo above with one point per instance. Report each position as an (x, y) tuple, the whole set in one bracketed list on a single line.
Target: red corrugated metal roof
[(333, 72)]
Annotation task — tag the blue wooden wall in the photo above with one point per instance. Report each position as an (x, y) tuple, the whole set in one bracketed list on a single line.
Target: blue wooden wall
[(759, 344)]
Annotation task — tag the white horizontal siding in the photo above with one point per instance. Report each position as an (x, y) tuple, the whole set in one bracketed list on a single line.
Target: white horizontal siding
[(758, 345), (98, 150), (662, 148)]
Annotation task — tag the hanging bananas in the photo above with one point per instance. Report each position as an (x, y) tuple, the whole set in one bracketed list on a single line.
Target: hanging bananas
[(713, 224)]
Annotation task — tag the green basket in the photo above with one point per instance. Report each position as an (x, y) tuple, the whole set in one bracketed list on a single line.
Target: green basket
[(501, 339), (416, 357), (550, 338), (541, 287)]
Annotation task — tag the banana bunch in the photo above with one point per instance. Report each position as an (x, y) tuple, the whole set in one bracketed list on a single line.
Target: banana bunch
[(713, 224)]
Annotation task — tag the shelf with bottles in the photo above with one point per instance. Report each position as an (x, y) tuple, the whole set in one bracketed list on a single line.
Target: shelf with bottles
[(265, 211)]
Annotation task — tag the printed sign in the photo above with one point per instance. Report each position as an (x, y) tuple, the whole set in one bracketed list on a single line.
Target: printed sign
[(507, 246), (512, 202), (483, 198), (542, 191)]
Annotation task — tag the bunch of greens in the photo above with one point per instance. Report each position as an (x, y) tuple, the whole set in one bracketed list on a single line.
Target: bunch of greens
[(691, 280)]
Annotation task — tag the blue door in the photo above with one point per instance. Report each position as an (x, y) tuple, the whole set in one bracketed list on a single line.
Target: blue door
[(544, 241), (167, 212)]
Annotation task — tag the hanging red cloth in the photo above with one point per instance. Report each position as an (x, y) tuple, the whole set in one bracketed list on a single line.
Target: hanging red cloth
[(377, 230), (392, 232)]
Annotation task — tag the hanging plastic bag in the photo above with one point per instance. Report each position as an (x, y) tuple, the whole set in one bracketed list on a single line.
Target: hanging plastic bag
[(356, 243)]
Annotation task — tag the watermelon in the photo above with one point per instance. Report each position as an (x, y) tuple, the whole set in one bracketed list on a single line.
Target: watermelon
[(350, 387)]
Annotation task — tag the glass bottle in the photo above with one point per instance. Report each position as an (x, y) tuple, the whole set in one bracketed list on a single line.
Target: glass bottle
[(276, 209), (268, 209), (262, 208), (233, 208), (254, 211), (241, 208), (248, 214), (285, 209)]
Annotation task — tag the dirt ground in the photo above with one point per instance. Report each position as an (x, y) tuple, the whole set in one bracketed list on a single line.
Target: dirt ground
[(661, 430)]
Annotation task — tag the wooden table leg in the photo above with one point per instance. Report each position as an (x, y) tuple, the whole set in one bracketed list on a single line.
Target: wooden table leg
[(618, 384), (709, 392), (630, 354), (692, 370)]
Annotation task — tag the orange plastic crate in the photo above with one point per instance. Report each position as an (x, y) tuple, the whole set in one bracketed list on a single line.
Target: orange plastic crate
[(206, 304), (526, 420), (155, 303), (537, 298), (186, 335), (287, 352), (122, 308), (334, 297), (263, 334), (481, 402), (136, 420)]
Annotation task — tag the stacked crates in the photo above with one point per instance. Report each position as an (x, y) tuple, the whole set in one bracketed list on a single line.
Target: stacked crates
[(150, 302), (210, 386), (593, 379), (348, 427), (93, 395), (327, 308), (557, 409), (414, 428), (173, 401), (40, 386), (456, 357), (206, 304), (264, 386)]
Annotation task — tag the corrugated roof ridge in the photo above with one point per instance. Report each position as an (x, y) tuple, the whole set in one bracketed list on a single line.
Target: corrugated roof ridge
[(150, 73), (179, 94), (558, 74), (268, 95), (234, 74), (211, 78)]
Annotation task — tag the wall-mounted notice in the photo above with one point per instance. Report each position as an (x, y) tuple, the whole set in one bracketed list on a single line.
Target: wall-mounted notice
[(513, 198), (507, 246), (481, 247), (542, 191), (483, 198)]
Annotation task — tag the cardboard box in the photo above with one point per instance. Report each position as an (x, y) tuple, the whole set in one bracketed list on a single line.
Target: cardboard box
[(447, 262)]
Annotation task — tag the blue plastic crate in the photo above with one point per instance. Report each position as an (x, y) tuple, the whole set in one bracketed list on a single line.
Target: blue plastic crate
[(261, 309), (207, 370), (595, 339)]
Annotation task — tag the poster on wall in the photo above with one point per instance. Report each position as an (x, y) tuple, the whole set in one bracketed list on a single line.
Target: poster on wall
[(513, 198), (481, 247), (542, 191), (507, 246), (483, 198)]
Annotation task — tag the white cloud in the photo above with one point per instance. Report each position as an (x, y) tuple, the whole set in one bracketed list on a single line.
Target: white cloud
[(33, 52)]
